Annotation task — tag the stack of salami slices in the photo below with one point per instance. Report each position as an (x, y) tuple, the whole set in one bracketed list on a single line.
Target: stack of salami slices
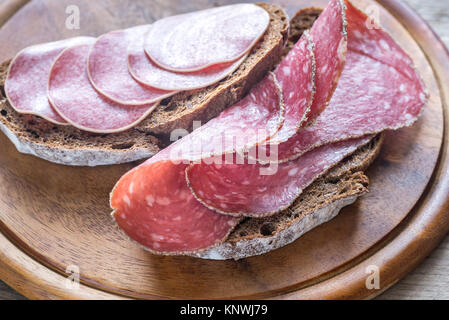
[(111, 83), (343, 82)]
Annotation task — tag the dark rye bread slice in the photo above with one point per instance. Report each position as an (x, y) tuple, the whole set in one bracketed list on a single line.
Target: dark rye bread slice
[(70, 146), (319, 203)]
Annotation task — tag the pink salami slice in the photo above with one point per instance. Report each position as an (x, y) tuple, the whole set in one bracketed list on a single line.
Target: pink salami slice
[(249, 122), (153, 204), (26, 83), (148, 73), (330, 53), (306, 95), (154, 207), (372, 95), (74, 98), (108, 69), (296, 76), (255, 190), (194, 41)]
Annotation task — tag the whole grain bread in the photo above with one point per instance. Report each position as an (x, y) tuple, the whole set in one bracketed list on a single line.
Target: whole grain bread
[(70, 146)]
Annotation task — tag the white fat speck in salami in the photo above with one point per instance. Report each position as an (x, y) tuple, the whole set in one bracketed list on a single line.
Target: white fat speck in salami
[(72, 95), (265, 194), (108, 69), (148, 73), (194, 41), (26, 82)]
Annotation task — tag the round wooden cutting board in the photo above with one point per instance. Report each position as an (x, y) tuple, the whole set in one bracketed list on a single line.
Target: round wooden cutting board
[(54, 218)]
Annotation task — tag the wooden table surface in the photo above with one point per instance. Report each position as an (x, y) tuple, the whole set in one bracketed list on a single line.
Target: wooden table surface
[(431, 279)]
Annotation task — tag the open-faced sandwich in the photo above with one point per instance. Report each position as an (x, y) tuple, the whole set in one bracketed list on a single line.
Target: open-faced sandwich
[(286, 118)]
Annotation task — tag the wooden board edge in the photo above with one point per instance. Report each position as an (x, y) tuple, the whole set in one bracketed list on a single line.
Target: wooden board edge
[(35, 281), (428, 223), (9, 7)]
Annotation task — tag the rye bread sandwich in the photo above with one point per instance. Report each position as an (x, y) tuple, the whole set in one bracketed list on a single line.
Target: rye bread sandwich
[(285, 135), (31, 134)]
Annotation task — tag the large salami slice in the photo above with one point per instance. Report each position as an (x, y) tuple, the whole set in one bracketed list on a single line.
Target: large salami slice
[(72, 95), (194, 41), (256, 190), (153, 206), (108, 69), (372, 95), (153, 203), (26, 82), (146, 72)]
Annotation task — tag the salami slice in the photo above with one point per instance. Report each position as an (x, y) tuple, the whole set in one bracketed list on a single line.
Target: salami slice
[(108, 69), (74, 98), (194, 41), (309, 73), (26, 82), (153, 206), (330, 53), (372, 95), (153, 203), (256, 190), (296, 76), (146, 72)]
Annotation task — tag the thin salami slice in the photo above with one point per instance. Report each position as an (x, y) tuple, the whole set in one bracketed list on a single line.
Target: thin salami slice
[(74, 98), (108, 69), (296, 76), (256, 190), (146, 72), (153, 203), (372, 96), (194, 41), (154, 207), (309, 73), (26, 82), (249, 122)]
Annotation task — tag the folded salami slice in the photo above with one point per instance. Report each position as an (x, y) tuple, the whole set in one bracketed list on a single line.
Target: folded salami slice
[(26, 83), (146, 72), (378, 90), (256, 190), (108, 69), (153, 203), (248, 123), (73, 97), (194, 41), (320, 55)]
